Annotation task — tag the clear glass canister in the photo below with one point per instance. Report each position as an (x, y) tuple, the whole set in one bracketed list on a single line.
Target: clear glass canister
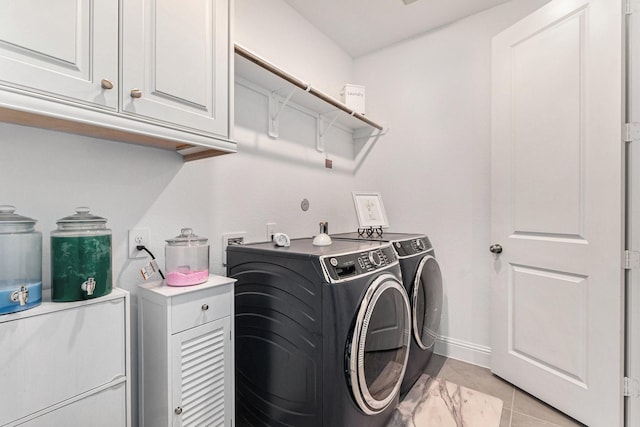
[(20, 262), (186, 259), (80, 257)]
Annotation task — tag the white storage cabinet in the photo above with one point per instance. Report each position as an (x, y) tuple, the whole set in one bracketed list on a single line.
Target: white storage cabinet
[(186, 360), (152, 72), (175, 57), (67, 364)]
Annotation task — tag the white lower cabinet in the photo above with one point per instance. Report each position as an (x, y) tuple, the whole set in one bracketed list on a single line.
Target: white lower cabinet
[(67, 364), (106, 408), (186, 354)]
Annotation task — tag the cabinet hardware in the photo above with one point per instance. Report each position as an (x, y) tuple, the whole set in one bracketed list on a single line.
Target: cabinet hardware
[(136, 93), (205, 307), (106, 84), (178, 410)]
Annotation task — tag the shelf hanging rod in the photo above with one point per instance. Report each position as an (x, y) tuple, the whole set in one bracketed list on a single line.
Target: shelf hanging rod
[(250, 56)]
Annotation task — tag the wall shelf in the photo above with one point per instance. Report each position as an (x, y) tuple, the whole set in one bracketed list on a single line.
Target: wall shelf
[(286, 88)]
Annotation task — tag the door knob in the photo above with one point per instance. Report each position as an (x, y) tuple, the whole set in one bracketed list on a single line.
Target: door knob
[(496, 249)]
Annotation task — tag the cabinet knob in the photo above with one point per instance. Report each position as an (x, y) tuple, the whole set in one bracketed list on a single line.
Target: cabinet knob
[(136, 93), (205, 307), (496, 249), (106, 84), (178, 410)]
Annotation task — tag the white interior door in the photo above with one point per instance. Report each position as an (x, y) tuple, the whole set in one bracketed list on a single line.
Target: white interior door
[(557, 208)]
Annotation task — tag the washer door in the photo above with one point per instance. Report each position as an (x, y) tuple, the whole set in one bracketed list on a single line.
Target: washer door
[(426, 302), (380, 344)]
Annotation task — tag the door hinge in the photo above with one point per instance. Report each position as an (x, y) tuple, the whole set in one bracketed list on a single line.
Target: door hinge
[(631, 387), (631, 260), (632, 132), (632, 6)]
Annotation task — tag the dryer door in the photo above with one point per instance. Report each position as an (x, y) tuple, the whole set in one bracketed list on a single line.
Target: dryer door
[(379, 346), (426, 302)]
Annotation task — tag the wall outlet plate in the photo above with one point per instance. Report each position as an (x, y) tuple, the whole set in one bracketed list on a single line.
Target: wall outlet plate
[(271, 230), (138, 236), (233, 238)]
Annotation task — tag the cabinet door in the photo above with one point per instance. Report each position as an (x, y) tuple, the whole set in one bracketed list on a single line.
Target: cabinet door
[(77, 350), (176, 55), (106, 408), (63, 50), (201, 375)]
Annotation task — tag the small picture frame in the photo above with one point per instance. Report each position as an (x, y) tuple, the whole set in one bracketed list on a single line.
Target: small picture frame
[(370, 210)]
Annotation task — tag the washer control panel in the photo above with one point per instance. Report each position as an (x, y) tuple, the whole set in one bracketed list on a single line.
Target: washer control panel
[(349, 266), (411, 247)]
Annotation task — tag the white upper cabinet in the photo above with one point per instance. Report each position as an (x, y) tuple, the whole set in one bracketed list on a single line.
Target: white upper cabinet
[(64, 50), (175, 63), (151, 72)]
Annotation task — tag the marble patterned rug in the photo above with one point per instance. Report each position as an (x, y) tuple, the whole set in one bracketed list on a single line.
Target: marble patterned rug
[(435, 402)]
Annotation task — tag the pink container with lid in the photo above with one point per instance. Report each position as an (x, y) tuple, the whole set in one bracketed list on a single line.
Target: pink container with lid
[(186, 259)]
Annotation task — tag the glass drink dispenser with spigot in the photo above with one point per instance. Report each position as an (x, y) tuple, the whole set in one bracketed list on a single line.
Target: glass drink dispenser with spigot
[(80, 257), (20, 262)]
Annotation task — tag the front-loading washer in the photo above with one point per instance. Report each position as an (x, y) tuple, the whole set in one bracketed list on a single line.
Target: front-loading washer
[(422, 279), (321, 333)]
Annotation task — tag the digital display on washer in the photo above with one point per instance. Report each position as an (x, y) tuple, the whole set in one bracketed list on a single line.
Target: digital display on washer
[(346, 270)]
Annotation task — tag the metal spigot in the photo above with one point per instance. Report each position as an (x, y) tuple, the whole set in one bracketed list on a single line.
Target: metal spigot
[(20, 296), (89, 286)]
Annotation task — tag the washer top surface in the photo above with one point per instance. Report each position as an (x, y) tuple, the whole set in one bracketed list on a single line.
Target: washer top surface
[(305, 247), (341, 261)]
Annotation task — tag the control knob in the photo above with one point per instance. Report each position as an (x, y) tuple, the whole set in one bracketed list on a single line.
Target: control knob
[(375, 259), (420, 244)]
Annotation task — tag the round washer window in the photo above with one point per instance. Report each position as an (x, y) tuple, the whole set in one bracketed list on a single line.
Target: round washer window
[(380, 344), (426, 302)]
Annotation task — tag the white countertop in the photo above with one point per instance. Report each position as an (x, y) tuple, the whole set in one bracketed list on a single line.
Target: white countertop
[(160, 287)]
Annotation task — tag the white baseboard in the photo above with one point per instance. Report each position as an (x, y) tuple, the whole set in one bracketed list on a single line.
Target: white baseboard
[(463, 350)]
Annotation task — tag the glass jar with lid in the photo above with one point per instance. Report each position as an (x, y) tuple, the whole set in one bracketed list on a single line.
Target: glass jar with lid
[(20, 262), (80, 257), (186, 259)]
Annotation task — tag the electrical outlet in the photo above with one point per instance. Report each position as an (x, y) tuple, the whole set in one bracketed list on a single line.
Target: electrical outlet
[(234, 238), (271, 230), (138, 236)]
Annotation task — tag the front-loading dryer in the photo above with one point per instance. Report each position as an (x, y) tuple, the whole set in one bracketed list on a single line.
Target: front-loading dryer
[(423, 281), (321, 333)]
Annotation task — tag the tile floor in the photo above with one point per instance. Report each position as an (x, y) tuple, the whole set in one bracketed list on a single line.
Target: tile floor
[(519, 409)]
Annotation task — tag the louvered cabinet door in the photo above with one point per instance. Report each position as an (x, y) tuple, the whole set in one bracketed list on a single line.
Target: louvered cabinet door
[(201, 375)]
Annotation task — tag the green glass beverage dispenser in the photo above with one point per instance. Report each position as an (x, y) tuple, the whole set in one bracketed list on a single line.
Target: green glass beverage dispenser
[(80, 257)]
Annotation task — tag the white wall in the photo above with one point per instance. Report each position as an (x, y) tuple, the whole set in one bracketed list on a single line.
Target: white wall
[(435, 93), (275, 31)]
